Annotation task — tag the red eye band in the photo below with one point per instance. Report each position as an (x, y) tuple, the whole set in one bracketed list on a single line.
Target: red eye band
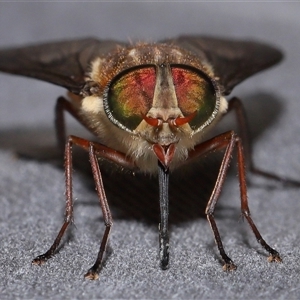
[(134, 91), (130, 96), (189, 87)]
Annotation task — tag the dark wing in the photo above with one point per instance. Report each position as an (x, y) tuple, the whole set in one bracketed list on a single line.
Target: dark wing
[(232, 61), (62, 63)]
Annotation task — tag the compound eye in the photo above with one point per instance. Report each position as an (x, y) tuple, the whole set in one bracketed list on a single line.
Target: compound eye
[(130, 96), (195, 93)]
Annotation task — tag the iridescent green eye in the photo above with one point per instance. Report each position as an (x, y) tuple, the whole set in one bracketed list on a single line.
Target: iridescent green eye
[(195, 93), (130, 96)]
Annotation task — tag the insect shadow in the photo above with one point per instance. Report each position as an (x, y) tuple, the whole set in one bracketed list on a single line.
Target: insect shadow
[(134, 196)]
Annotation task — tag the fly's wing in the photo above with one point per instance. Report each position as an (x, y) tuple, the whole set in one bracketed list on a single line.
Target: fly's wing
[(232, 61), (65, 63), (62, 63)]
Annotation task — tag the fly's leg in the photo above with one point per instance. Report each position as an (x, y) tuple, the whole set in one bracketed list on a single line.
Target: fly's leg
[(63, 105), (95, 150), (274, 255), (228, 141), (236, 105), (93, 272), (41, 259)]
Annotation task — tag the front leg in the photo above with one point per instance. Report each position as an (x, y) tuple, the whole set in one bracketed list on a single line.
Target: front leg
[(95, 150), (229, 141)]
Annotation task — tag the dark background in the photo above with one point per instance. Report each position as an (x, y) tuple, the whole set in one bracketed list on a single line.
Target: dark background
[(32, 180)]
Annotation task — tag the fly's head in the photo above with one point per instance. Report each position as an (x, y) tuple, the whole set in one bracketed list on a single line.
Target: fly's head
[(155, 103)]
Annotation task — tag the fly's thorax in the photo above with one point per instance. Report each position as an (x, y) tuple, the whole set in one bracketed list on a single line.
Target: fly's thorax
[(147, 98)]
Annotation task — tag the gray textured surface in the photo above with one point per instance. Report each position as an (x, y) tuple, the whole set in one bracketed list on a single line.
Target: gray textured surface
[(31, 190)]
